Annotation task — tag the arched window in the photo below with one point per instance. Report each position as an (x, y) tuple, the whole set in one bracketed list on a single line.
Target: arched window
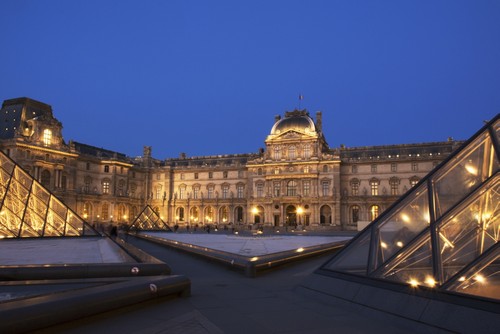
[(291, 188)]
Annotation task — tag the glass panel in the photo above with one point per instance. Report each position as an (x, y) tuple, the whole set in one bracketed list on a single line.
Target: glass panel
[(484, 282), (9, 224), (57, 207), (74, 225), (18, 190), (34, 220), (54, 226), (14, 205), (24, 178), (6, 164), (38, 206), (403, 225), (354, 258), (40, 192), (464, 237), (414, 268), (28, 231), (464, 173), (4, 178)]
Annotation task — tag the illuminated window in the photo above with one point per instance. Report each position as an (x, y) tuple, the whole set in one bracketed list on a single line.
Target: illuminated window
[(225, 191), (374, 210), (105, 187), (355, 187), (182, 193), (413, 181), (276, 170), (306, 169), (196, 192), (374, 187), (47, 137)]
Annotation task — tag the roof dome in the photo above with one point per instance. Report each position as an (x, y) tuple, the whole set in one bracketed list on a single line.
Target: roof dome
[(296, 120)]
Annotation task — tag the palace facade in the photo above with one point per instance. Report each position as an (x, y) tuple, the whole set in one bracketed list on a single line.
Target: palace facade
[(296, 180)]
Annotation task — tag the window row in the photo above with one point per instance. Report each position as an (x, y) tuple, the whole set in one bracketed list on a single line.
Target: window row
[(291, 188), (394, 183)]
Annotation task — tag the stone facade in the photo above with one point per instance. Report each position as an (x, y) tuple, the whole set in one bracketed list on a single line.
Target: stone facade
[(296, 180)]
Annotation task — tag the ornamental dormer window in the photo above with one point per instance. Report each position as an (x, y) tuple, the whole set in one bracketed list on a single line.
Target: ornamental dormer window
[(47, 137)]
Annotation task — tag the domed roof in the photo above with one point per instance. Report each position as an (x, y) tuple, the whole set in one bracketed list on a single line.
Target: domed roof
[(297, 120)]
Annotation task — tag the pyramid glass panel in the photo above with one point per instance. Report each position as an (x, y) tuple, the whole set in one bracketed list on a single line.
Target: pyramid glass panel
[(355, 259), (464, 173), (445, 234), (148, 219), (396, 230), (467, 235), (27, 209), (414, 266), (484, 282)]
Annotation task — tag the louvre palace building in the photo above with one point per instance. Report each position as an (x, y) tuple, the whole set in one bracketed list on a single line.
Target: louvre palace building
[(296, 181)]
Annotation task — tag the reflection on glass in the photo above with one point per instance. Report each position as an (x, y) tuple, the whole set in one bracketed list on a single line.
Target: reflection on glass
[(355, 258), (484, 282), (464, 173), (465, 236), (399, 228)]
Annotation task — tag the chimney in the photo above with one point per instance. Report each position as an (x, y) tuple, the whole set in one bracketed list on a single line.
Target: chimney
[(319, 121)]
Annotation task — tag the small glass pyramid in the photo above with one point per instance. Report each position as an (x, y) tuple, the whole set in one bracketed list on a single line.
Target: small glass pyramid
[(27, 209), (445, 232), (148, 220)]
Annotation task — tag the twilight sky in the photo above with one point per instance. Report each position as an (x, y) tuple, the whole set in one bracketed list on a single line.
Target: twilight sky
[(208, 77)]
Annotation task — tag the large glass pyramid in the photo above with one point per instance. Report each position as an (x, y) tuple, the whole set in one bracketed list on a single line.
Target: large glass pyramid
[(148, 220), (27, 209), (444, 233)]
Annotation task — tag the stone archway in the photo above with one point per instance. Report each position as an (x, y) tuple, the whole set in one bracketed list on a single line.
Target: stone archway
[(291, 215), (325, 215)]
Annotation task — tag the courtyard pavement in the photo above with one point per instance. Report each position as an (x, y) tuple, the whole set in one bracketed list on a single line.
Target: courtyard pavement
[(224, 301)]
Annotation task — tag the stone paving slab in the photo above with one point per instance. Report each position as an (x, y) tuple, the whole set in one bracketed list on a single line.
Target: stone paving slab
[(248, 245), (61, 251)]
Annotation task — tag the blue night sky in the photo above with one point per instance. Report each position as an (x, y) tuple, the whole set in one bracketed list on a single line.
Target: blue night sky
[(208, 77)]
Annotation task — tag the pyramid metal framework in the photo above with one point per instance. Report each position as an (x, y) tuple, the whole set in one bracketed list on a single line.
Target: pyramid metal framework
[(27, 209), (149, 220), (444, 233)]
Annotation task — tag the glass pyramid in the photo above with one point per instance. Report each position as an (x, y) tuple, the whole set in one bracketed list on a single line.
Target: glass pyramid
[(149, 220), (27, 209), (444, 233)]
